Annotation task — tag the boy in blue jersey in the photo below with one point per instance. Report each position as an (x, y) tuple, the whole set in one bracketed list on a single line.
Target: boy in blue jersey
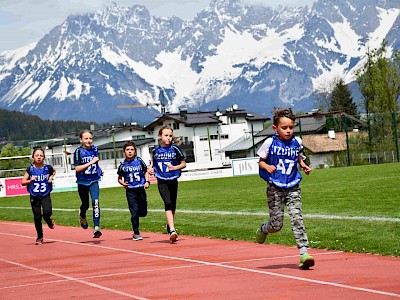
[(88, 174), (38, 178), (168, 161), (133, 176), (279, 157)]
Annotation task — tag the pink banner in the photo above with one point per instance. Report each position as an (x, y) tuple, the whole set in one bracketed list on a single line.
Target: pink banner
[(14, 187)]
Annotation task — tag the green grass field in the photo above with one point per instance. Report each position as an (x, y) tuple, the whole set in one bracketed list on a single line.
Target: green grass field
[(353, 209)]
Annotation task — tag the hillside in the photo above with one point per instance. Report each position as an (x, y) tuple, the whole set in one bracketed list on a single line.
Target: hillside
[(19, 128)]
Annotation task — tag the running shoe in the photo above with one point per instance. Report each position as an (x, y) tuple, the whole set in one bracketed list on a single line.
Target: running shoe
[(173, 236), (84, 223), (39, 241), (52, 225), (137, 237), (260, 236), (96, 232), (306, 261)]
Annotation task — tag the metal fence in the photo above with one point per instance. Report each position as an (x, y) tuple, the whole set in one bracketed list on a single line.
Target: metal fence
[(353, 140)]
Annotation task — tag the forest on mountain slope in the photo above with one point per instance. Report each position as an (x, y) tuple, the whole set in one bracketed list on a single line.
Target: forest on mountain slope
[(19, 128)]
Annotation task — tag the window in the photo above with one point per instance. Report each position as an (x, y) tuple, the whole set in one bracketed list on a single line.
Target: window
[(213, 136), (138, 137), (224, 136), (203, 138), (175, 126)]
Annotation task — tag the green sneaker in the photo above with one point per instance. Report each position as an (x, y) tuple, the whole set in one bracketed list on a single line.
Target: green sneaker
[(306, 261), (260, 236)]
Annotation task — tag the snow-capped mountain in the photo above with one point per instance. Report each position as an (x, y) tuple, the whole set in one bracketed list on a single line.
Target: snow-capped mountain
[(254, 56)]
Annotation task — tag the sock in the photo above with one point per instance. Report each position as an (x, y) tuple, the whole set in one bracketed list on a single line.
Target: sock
[(172, 229), (264, 228), (303, 250)]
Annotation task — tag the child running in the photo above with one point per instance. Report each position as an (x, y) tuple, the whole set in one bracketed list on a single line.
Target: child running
[(38, 178), (88, 174), (168, 161), (133, 176), (279, 157)]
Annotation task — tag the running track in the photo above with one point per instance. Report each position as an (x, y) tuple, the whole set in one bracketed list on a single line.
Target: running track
[(71, 265)]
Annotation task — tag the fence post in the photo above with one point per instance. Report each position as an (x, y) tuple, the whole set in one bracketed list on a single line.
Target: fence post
[(396, 140), (347, 141), (300, 133)]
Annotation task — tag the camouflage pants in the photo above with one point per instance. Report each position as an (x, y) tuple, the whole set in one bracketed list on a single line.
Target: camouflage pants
[(277, 198)]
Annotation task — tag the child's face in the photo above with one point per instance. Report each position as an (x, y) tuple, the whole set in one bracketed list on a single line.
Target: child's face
[(166, 137), (38, 157), (86, 140), (130, 152), (284, 128)]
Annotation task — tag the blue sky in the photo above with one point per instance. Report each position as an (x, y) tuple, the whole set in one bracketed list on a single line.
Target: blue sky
[(25, 21)]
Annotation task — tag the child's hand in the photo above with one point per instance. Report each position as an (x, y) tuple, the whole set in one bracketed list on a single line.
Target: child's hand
[(150, 170), (125, 185), (270, 169), (169, 166), (146, 185), (307, 170), (95, 160), (33, 178)]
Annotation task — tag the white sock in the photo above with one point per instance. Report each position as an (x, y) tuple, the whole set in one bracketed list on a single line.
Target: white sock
[(303, 250)]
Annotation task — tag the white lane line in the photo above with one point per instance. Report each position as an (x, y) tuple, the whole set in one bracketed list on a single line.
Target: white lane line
[(378, 292), (69, 278), (238, 213)]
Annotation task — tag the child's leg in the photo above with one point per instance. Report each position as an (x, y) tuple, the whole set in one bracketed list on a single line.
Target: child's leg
[(37, 215), (164, 190), (47, 210), (83, 191), (133, 208), (275, 200), (94, 194), (294, 205)]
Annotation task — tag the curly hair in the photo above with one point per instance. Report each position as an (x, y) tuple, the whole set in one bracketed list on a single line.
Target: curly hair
[(283, 113)]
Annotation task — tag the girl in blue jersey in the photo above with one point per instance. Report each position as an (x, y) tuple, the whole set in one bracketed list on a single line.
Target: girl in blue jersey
[(280, 156), (133, 176), (168, 161), (38, 178), (88, 174)]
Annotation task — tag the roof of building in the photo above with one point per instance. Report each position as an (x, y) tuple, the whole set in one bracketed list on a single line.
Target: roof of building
[(243, 144), (306, 124), (205, 118), (322, 143), (120, 144)]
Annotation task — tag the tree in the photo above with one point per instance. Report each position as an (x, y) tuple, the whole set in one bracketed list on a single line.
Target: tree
[(14, 166), (379, 80), (323, 92), (341, 99)]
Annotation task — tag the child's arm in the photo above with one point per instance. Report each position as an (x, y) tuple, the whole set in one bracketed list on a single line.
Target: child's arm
[(304, 166), (147, 178), (150, 168), (81, 168), (52, 176), (122, 182), (181, 166), (263, 165), (26, 181)]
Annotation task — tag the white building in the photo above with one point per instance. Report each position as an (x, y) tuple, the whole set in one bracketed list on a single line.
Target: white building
[(208, 138)]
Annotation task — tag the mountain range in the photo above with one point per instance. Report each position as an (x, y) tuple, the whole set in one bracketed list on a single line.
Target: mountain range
[(122, 63)]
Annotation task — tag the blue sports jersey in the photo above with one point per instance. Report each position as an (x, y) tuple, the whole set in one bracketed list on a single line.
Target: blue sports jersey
[(93, 172), (41, 186), (133, 172), (284, 156), (164, 155)]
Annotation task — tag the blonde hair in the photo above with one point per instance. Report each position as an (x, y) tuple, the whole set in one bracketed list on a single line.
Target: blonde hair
[(175, 140)]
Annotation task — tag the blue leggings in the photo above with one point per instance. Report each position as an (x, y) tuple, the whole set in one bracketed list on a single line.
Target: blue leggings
[(94, 191)]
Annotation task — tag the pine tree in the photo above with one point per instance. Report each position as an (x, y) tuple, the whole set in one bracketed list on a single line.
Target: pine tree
[(341, 99)]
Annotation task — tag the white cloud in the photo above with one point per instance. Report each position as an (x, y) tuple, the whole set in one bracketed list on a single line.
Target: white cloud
[(25, 21)]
